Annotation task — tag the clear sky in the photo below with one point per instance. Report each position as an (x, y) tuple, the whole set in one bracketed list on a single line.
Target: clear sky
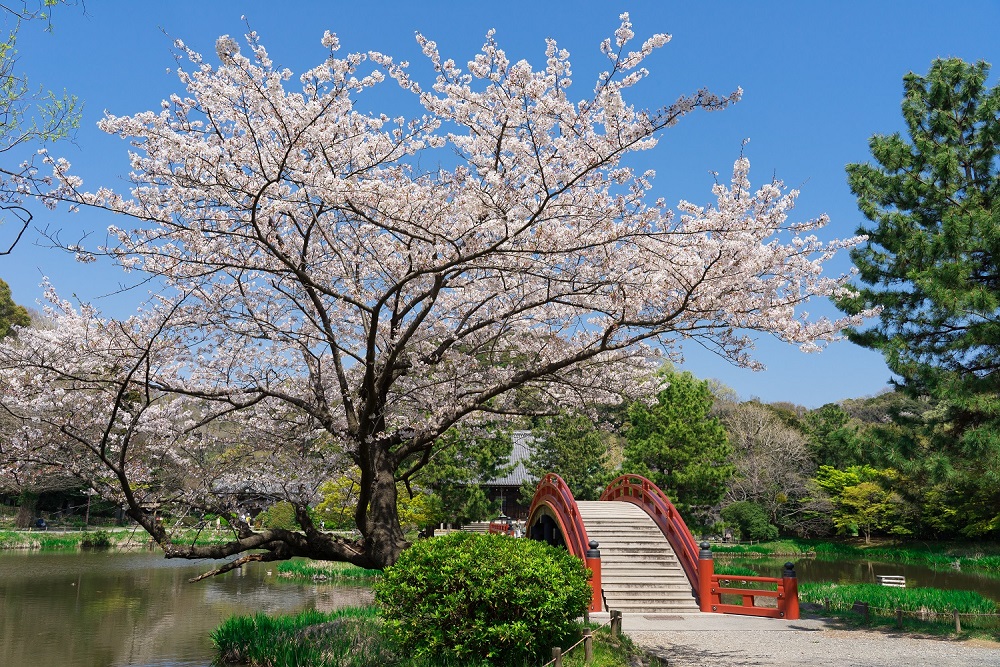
[(819, 78)]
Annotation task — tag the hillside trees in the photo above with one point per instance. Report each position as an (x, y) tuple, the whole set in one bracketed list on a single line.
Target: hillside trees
[(312, 270), (11, 314), (772, 468)]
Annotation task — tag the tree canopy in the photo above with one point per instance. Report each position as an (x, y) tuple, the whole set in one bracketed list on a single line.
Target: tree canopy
[(930, 262), (332, 300), (678, 444), (11, 314)]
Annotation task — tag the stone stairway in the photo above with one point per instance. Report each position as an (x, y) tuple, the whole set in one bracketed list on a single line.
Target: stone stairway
[(639, 571)]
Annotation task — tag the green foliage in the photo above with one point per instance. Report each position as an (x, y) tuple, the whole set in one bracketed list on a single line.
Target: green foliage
[(572, 447), (930, 259), (479, 598), (11, 314), (679, 445), (352, 637), (324, 571), (793, 547), (751, 521), (833, 438), (863, 500), (462, 459), (280, 515), (343, 638), (340, 497), (930, 263), (99, 539), (888, 599), (609, 651)]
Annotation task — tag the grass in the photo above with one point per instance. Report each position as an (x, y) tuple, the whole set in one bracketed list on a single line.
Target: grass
[(887, 598), (609, 651), (345, 638), (52, 540), (352, 637), (325, 571), (924, 609)]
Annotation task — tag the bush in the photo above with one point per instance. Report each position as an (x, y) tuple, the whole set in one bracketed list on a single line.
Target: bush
[(751, 520), (482, 599), (279, 515), (99, 539)]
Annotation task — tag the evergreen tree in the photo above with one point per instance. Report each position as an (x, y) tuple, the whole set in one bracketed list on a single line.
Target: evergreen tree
[(931, 264), (572, 447), (931, 258), (679, 445), (11, 314)]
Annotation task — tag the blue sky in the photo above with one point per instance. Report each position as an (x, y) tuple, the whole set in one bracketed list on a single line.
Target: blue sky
[(818, 78)]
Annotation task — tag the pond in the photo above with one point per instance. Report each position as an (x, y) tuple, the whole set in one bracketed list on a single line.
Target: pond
[(106, 609), (815, 570)]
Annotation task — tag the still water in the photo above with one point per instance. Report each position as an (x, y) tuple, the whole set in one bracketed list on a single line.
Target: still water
[(105, 609)]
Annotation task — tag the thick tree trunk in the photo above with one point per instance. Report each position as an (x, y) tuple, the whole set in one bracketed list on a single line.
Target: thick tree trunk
[(26, 512), (383, 536)]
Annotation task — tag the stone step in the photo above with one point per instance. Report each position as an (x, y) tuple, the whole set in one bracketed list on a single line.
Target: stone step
[(640, 572), (652, 583)]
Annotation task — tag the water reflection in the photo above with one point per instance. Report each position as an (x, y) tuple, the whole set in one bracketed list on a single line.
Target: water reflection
[(106, 610)]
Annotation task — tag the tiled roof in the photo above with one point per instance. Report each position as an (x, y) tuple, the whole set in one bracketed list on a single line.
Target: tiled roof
[(519, 453)]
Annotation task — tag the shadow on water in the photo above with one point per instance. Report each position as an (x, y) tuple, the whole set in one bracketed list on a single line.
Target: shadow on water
[(101, 609)]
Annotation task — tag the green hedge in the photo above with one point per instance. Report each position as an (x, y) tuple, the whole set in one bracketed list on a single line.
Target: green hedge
[(482, 599)]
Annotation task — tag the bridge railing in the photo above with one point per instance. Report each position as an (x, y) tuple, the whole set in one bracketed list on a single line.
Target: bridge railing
[(785, 591), (555, 493), (638, 490)]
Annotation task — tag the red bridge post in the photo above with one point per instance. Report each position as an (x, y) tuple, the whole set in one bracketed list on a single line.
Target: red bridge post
[(790, 584), (593, 561), (706, 568)]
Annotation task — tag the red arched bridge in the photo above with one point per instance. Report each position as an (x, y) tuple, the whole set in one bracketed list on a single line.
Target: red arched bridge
[(643, 556)]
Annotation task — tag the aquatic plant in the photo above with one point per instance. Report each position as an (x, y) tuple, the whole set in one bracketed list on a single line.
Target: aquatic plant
[(324, 571)]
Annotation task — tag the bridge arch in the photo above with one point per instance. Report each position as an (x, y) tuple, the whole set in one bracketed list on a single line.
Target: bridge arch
[(638, 490), (555, 518)]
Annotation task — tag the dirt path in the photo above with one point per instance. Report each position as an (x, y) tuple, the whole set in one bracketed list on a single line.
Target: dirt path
[(840, 648), (718, 640)]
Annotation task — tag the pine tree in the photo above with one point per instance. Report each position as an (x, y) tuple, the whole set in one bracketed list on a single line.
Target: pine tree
[(931, 258), (679, 445), (931, 264)]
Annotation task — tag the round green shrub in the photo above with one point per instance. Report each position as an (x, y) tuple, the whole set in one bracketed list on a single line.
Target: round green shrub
[(751, 520), (482, 599)]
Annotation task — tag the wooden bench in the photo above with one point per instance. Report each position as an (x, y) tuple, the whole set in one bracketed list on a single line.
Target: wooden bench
[(894, 580)]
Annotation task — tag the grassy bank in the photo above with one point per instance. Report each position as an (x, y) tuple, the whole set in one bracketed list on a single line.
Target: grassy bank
[(923, 609), (982, 557), (352, 638), (118, 539), (310, 570)]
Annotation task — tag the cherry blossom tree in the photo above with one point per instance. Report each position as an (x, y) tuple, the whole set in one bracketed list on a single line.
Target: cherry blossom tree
[(316, 271)]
